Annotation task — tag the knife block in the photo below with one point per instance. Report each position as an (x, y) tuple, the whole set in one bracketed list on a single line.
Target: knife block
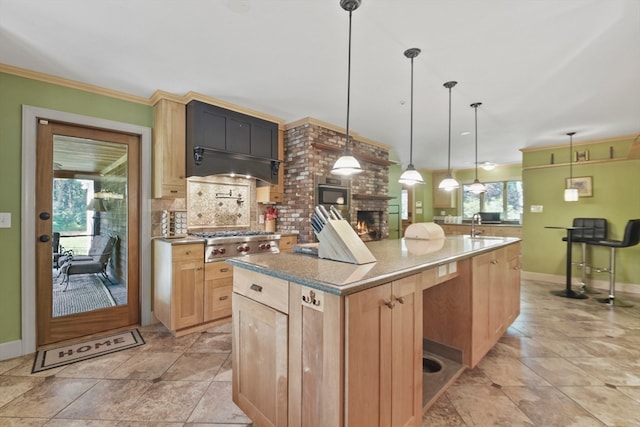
[(339, 242)]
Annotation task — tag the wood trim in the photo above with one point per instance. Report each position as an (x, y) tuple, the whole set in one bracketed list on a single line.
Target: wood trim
[(584, 162), (47, 78), (363, 157), (370, 197)]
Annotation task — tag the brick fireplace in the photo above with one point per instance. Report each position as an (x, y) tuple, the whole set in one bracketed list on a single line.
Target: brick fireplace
[(311, 148)]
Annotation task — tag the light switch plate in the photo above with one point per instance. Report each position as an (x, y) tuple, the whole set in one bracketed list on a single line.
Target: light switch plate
[(5, 219), (536, 208)]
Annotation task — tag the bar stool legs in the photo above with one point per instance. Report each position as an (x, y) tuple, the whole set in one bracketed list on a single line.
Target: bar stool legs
[(583, 271), (612, 300)]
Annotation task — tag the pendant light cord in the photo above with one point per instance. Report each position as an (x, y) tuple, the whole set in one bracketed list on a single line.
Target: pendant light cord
[(571, 157), (475, 107), (449, 153), (346, 147), (411, 122)]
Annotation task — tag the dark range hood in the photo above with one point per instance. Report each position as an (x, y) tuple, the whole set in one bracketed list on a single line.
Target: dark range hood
[(224, 142), (204, 161)]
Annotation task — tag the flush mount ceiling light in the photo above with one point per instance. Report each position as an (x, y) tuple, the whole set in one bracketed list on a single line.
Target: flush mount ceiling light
[(448, 183), (570, 193), (477, 187), (347, 164), (411, 176), (488, 166)]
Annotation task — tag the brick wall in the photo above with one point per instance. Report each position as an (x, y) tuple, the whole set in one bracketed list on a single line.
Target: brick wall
[(303, 161)]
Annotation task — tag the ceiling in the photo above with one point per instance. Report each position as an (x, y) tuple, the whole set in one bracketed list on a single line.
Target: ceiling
[(541, 68)]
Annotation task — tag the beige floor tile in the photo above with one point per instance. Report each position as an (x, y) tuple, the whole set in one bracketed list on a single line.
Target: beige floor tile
[(165, 341), (79, 423), (632, 392), (22, 422), (48, 399), (558, 409), (565, 347), (9, 364), (212, 343), (107, 400), (506, 371), (145, 366), (98, 367), (167, 401), (612, 347), (224, 374), (559, 371), (442, 414), (607, 404), (612, 370), (13, 387), (520, 346), (485, 405), (195, 367), (216, 406)]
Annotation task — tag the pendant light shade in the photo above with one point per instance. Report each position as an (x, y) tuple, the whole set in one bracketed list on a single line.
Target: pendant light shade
[(347, 164), (411, 176), (449, 183), (571, 194), (477, 187)]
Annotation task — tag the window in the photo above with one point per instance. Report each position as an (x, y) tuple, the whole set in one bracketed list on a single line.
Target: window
[(502, 196), (404, 203)]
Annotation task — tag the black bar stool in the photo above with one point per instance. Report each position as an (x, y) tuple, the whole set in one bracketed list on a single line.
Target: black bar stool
[(589, 229), (631, 238)]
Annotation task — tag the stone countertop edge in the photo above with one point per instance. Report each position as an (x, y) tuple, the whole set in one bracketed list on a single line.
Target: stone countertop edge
[(468, 224), (294, 267), (181, 240)]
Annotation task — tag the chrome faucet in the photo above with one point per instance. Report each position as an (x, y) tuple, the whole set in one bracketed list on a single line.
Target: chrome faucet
[(474, 218)]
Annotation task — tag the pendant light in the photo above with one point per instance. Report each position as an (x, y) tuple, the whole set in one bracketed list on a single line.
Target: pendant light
[(449, 183), (477, 187), (411, 176), (570, 194), (347, 164)]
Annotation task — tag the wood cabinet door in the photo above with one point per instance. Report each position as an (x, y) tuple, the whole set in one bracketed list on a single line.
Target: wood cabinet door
[(406, 352), (368, 357), (218, 287), (480, 336), (186, 304), (169, 150), (512, 285), (260, 346)]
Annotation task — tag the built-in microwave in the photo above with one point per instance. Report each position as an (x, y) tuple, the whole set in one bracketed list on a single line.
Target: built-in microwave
[(332, 192)]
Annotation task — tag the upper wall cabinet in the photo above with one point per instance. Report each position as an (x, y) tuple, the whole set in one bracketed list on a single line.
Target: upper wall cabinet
[(217, 128), (168, 150)]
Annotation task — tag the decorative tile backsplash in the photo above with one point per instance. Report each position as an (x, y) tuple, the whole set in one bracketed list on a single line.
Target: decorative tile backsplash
[(218, 204)]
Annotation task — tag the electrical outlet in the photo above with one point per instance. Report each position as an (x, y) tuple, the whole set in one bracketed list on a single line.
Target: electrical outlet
[(5, 219)]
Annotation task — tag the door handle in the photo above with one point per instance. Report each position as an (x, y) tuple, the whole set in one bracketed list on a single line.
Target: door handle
[(44, 238)]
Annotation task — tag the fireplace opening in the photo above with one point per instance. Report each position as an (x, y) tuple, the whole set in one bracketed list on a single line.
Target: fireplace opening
[(369, 225)]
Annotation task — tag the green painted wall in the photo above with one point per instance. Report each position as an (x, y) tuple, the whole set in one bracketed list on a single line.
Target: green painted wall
[(616, 197), (17, 91)]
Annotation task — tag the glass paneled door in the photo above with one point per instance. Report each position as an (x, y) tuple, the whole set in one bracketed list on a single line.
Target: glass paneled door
[(87, 231)]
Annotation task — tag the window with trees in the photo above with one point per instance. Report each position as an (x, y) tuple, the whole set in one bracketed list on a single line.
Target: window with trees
[(501, 196)]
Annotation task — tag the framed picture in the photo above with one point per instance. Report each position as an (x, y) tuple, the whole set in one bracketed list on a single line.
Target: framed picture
[(584, 184)]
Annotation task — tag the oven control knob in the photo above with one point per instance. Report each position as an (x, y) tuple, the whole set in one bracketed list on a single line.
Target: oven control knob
[(265, 246), (222, 250), (242, 249)]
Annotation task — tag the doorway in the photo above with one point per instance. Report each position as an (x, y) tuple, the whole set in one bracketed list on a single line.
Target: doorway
[(87, 228)]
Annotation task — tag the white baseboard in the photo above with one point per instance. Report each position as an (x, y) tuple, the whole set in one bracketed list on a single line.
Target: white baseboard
[(11, 349), (633, 288)]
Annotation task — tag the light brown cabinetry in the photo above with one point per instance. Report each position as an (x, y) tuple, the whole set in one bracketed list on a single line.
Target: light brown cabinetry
[(486, 230), (190, 295), (512, 287), (383, 355), (442, 198), (218, 286), (179, 274), (260, 347), (169, 131), (287, 242)]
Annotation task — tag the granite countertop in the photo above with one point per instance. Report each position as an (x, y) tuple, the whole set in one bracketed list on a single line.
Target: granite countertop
[(468, 224), (395, 258), (181, 240)]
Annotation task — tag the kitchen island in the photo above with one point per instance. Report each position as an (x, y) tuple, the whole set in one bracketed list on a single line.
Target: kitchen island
[(318, 342)]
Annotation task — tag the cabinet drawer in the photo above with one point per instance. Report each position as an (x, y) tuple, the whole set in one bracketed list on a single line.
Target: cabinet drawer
[(193, 251), (287, 242), (268, 290), (217, 270)]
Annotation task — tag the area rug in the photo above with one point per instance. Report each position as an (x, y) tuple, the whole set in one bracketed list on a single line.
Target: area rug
[(83, 350), (85, 292)]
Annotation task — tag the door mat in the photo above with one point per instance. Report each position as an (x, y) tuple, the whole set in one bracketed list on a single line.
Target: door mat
[(83, 350)]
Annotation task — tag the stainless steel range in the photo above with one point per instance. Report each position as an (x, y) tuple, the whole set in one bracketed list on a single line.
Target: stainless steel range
[(220, 245)]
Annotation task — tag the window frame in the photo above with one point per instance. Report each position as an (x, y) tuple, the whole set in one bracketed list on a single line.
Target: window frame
[(482, 201)]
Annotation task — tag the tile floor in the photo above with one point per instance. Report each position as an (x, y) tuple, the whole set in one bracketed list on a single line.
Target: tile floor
[(562, 363)]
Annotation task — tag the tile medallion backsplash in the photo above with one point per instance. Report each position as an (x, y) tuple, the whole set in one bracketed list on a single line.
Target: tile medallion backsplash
[(215, 204)]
